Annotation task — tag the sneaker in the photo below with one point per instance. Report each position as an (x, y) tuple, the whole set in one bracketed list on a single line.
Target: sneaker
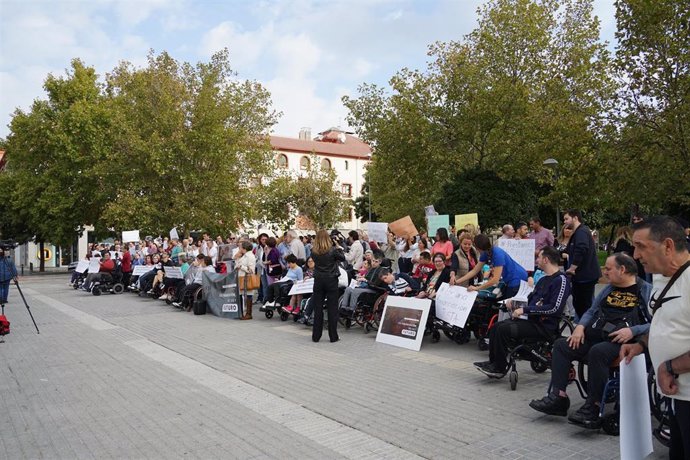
[(586, 416), (176, 304), (482, 364), (163, 297), (552, 404), (287, 309), (151, 292), (492, 371)]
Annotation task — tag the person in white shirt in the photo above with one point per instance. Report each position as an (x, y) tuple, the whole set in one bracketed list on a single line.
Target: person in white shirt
[(661, 248), (355, 256), (296, 247)]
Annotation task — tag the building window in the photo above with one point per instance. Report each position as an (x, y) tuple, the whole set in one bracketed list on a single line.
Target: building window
[(304, 163), (346, 190), (282, 161), (326, 164), (347, 165)]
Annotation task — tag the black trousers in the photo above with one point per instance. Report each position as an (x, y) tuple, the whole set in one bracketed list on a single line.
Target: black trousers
[(509, 332), (599, 356), (583, 295), (679, 423), (325, 289)]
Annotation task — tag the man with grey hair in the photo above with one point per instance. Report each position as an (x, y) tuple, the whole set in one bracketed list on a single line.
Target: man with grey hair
[(508, 232), (296, 247), (661, 247)]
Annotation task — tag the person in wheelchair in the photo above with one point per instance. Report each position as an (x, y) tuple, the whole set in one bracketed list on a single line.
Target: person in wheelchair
[(365, 284), (398, 283), (543, 311), (618, 314), (107, 266), (293, 274)]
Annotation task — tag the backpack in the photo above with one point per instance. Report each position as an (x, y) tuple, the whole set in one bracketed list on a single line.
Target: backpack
[(4, 325)]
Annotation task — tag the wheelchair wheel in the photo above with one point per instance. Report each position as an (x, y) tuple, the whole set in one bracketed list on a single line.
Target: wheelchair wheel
[(118, 288), (462, 336), (611, 424), (435, 336), (284, 315), (566, 326), (538, 366), (269, 314), (96, 290), (513, 380)]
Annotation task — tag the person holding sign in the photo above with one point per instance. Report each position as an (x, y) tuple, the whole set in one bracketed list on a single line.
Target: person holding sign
[(544, 307), (106, 266), (502, 265), (434, 280)]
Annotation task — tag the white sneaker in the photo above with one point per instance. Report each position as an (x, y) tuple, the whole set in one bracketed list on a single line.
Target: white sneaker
[(176, 304), (269, 304), (163, 297)]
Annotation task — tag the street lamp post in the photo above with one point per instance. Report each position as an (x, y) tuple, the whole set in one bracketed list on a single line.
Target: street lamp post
[(552, 163), (369, 186)]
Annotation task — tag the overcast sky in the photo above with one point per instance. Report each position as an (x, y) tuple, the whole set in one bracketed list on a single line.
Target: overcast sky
[(308, 53)]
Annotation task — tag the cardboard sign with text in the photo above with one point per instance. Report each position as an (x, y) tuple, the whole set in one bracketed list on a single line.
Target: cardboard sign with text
[(454, 304), (522, 252), (403, 227)]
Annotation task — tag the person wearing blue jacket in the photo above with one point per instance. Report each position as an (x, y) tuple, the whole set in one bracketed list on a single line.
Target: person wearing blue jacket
[(8, 272), (618, 315), (543, 311)]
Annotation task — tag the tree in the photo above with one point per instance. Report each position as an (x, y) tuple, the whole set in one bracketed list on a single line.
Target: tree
[(363, 201), (53, 184), (198, 134), (531, 82)]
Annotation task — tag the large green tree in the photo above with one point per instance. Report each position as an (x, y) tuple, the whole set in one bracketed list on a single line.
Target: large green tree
[(531, 82)]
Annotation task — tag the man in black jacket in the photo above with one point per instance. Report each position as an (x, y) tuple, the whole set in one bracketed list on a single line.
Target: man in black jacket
[(584, 270), (543, 310)]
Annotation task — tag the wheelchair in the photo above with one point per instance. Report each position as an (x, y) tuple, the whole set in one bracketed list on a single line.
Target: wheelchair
[(536, 351), (109, 282)]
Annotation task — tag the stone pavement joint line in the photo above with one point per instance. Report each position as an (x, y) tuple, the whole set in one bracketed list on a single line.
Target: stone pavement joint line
[(345, 440)]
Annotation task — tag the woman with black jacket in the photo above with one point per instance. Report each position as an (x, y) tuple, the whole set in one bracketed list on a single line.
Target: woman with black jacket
[(433, 282), (326, 272)]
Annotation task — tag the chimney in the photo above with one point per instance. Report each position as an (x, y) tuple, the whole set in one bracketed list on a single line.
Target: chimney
[(305, 134)]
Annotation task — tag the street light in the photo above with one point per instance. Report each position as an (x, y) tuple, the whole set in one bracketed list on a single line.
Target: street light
[(552, 163), (369, 186)]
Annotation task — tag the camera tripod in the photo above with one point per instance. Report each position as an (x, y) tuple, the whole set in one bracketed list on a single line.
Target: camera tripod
[(16, 283)]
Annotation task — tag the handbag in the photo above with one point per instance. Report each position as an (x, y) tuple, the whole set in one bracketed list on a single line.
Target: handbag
[(249, 282)]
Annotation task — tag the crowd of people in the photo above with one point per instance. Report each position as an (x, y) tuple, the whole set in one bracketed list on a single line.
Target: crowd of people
[(624, 319)]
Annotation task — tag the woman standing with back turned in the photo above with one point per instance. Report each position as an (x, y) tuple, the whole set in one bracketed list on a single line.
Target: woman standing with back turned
[(326, 257)]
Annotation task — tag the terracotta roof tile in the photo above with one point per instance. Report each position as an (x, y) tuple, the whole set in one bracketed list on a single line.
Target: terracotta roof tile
[(353, 147)]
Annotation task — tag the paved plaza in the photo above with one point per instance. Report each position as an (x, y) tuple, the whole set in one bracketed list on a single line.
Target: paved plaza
[(127, 377)]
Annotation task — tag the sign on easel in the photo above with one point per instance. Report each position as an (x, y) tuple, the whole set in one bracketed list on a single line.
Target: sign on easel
[(454, 304), (403, 322)]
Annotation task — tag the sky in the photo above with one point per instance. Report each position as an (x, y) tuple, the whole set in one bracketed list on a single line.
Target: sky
[(308, 53)]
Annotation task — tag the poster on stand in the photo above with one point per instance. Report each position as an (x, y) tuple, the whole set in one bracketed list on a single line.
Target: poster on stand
[(403, 322)]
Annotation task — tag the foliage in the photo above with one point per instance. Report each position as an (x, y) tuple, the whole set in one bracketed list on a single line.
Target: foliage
[(496, 200), (362, 202), (530, 82)]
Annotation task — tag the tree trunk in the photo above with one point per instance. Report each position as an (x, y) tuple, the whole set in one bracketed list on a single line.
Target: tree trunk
[(41, 249)]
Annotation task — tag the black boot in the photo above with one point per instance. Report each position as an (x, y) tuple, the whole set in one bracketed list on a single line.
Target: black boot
[(552, 404)]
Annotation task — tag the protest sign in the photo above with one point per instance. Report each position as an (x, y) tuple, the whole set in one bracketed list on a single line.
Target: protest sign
[(463, 219), (82, 266), (436, 222), (174, 235), (635, 418), (141, 269), (173, 273), (302, 287), (378, 231), (522, 252), (94, 265), (524, 291), (454, 303), (403, 322), (404, 227), (430, 211), (130, 236)]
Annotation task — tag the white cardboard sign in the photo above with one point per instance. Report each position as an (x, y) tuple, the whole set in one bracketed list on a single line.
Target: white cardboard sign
[(522, 252), (454, 304), (82, 266), (130, 236), (302, 287), (174, 235), (403, 322), (141, 269), (636, 422), (378, 231), (95, 265), (173, 273)]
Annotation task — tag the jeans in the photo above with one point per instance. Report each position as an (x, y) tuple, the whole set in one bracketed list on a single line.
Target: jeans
[(4, 290)]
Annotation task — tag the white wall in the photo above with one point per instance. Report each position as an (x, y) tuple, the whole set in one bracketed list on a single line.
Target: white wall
[(353, 175)]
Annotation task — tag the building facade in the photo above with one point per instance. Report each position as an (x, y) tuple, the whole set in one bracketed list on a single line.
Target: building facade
[(335, 149)]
